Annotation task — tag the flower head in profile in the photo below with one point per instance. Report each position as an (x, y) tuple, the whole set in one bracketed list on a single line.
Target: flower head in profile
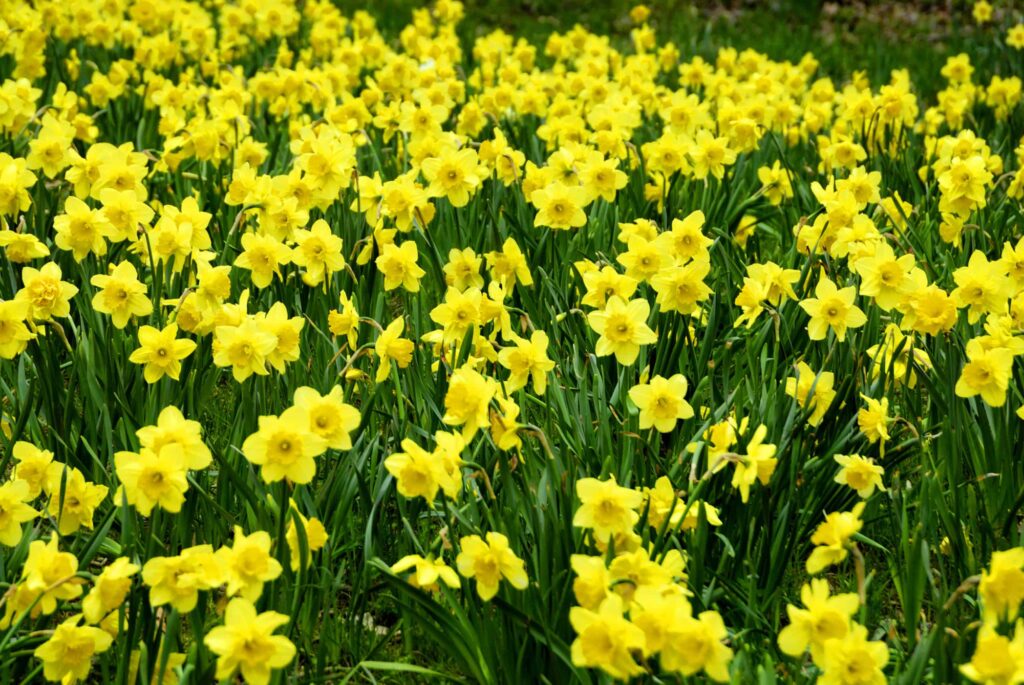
[(775, 183), (178, 580), (313, 533), (287, 335), (504, 424), (21, 248), (509, 265), (467, 401), (833, 538), (426, 572), (758, 464), (15, 180), (662, 502), (14, 333), (390, 346), (344, 323), (812, 391), (873, 419), (592, 581)]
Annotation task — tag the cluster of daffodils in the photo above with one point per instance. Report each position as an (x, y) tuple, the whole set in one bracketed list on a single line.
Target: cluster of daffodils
[(285, 446), (838, 645), (488, 561), (633, 600), (999, 652), (284, 295), (245, 643)]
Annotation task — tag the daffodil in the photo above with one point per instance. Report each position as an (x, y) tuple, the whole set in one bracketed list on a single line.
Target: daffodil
[(329, 415), (859, 473), (606, 508), (178, 580), (832, 309), (391, 347), (426, 572), (249, 564), (151, 478), (110, 589), (14, 511), (757, 464), (661, 402), (622, 329), (606, 639), (161, 352), (824, 617), (467, 399), (67, 655), (853, 659), (45, 293), (121, 294), (1002, 584), (246, 643), (285, 447), (832, 538), (527, 360), (489, 562)]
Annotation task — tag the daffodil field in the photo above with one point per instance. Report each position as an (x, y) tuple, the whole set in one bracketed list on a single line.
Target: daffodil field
[(340, 351)]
